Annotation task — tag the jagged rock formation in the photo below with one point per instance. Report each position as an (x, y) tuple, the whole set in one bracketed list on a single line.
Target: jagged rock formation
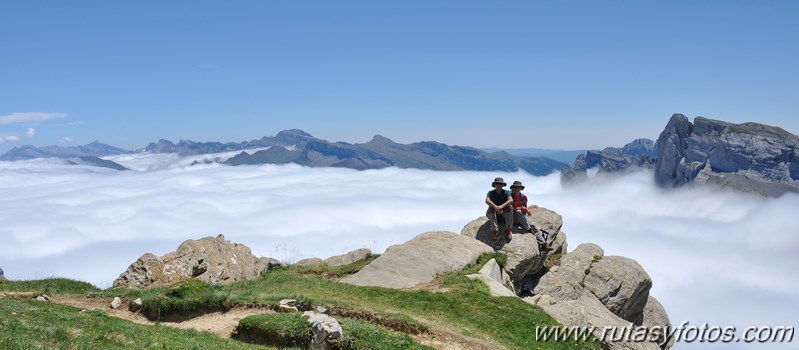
[(588, 288), (640, 153), (211, 259), (574, 174), (496, 278), (524, 259), (585, 288), (750, 156), (95, 149), (2, 275), (419, 260)]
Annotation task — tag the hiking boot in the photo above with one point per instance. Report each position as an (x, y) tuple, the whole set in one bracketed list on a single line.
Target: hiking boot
[(544, 247), (509, 234)]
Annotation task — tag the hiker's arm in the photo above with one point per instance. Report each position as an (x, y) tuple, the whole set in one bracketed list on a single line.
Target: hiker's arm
[(491, 204), (507, 203)]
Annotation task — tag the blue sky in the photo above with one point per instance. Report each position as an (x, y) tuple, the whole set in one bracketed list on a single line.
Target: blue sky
[(555, 74)]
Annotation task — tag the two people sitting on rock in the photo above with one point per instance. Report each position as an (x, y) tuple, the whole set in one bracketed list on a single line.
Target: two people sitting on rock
[(512, 207)]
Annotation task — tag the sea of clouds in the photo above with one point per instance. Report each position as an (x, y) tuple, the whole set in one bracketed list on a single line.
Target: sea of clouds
[(717, 257)]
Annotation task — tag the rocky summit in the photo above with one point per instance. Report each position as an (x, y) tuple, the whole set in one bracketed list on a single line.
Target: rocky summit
[(2, 276), (211, 259), (580, 288), (750, 156)]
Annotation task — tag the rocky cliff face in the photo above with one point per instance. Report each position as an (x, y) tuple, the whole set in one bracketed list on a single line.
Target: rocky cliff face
[(2, 276), (750, 156), (640, 153)]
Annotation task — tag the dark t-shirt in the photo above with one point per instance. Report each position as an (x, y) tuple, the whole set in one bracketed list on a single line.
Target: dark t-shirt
[(498, 198)]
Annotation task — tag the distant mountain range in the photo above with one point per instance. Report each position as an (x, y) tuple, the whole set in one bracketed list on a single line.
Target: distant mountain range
[(562, 156), (94, 149), (297, 146)]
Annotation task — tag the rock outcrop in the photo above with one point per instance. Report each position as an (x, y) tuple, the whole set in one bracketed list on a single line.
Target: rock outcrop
[(638, 154), (325, 330), (2, 275), (574, 174), (349, 258), (419, 260), (496, 278), (523, 256), (750, 156), (655, 315), (590, 289), (211, 259)]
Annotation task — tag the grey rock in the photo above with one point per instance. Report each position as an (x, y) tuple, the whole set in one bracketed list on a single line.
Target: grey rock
[(639, 147), (524, 257), (43, 298), (419, 260), (559, 245), (621, 284), (2, 275), (210, 259), (135, 305), (325, 329), (672, 145), (116, 303), (288, 305), (655, 315), (751, 157), (586, 310), (566, 282), (349, 258), (640, 153), (497, 280), (309, 262), (574, 174)]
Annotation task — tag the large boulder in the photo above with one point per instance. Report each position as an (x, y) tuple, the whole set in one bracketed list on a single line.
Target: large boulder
[(565, 282), (2, 276), (349, 258), (524, 257), (586, 311), (655, 315), (496, 278), (211, 259), (419, 260), (621, 284)]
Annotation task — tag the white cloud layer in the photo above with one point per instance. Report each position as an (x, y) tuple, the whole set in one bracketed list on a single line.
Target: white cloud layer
[(31, 132), (715, 256), (29, 117), (65, 139), (10, 138)]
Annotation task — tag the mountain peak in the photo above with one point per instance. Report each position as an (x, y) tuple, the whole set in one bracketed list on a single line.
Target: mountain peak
[(381, 139), (294, 133)]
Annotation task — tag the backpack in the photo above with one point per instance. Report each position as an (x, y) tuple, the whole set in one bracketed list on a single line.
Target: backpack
[(523, 198)]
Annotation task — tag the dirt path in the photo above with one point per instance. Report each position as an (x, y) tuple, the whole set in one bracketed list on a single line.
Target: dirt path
[(223, 323), (219, 323)]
